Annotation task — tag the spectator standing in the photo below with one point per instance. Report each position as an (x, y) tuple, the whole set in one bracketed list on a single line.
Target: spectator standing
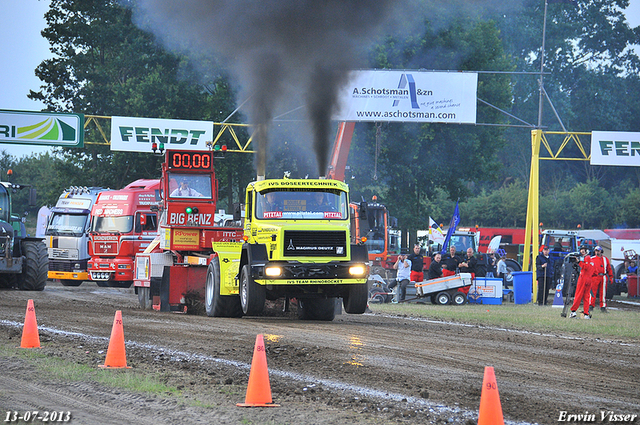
[(468, 264), (544, 273), (501, 268), (451, 261), (435, 268), (584, 284), (601, 274), (417, 264), (403, 276), (491, 263)]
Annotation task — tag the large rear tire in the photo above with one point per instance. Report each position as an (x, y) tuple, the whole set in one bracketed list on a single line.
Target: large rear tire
[(512, 266), (252, 295), (217, 305), (36, 266), (317, 309), (356, 300)]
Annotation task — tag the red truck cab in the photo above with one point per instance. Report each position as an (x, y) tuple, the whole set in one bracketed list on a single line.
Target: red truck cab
[(122, 224)]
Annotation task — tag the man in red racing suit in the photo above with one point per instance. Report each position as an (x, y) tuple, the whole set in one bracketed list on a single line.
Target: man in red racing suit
[(601, 273), (583, 288)]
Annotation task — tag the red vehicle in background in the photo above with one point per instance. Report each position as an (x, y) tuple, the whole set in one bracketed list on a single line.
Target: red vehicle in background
[(375, 226), (380, 236), (122, 224)]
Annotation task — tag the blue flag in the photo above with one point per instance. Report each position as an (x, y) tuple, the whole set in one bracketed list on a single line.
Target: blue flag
[(455, 220)]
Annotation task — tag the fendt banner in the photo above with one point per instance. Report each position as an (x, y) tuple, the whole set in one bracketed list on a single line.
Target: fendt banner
[(42, 128), (415, 96), (615, 148), (138, 134)]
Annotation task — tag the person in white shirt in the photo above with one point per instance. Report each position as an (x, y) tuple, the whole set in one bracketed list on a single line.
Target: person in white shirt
[(403, 266), (501, 268)]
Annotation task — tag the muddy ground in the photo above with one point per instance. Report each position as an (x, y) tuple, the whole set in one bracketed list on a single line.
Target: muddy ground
[(361, 369)]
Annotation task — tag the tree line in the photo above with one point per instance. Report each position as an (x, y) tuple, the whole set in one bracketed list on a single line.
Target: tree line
[(106, 65)]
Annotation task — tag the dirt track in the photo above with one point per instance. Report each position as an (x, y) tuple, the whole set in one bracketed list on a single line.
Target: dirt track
[(357, 369)]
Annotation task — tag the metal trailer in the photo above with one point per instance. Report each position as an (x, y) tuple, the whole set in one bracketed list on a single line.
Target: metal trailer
[(445, 290)]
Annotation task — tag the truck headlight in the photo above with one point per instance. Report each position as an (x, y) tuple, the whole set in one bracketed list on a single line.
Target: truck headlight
[(273, 271), (356, 270)]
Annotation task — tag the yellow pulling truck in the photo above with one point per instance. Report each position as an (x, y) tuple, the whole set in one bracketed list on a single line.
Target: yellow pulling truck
[(294, 243)]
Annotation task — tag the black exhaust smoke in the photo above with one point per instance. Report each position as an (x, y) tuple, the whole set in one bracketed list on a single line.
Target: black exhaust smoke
[(278, 49)]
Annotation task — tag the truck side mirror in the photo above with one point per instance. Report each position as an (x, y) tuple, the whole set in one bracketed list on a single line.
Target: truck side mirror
[(363, 210)]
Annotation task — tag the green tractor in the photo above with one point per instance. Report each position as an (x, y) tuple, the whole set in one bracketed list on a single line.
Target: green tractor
[(24, 263)]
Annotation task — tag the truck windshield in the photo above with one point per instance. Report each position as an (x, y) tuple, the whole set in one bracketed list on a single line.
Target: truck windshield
[(377, 220), (301, 204), (189, 185), (462, 242), (112, 224), (375, 245), (66, 224)]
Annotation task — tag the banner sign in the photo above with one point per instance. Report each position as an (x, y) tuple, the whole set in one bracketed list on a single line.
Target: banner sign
[(615, 148), (414, 96), (137, 134), (42, 128)]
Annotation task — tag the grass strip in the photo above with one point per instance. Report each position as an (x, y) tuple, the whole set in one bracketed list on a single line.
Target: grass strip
[(529, 317)]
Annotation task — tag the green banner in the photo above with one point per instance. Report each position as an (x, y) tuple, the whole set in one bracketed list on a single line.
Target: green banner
[(42, 128)]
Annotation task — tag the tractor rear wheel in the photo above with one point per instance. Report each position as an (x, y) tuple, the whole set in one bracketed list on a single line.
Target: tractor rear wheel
[(36, 266), (512, 266)]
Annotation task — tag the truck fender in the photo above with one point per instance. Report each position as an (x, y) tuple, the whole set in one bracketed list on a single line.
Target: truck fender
[(359, 253), (253, 253)]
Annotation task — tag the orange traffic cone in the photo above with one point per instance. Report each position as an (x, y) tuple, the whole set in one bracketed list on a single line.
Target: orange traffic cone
[(258, 390), (30, 337), (490, 407), (116, 356)]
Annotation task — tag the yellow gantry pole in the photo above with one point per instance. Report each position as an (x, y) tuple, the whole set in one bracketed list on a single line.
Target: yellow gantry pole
[(531, 237)]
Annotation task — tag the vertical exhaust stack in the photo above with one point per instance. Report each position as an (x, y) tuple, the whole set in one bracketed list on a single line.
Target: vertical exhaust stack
[(260, 141), (297, 51)]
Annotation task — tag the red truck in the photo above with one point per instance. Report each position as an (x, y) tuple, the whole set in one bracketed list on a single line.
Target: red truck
[(122, 224)]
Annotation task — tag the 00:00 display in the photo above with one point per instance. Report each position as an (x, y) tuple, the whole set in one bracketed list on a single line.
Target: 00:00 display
[(190, 160)]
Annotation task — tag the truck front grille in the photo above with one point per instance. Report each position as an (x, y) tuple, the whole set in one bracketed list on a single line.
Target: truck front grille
[(315, 244), (67, 266)]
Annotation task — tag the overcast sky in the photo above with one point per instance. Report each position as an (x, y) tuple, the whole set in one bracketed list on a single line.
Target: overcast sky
[(22, 48)]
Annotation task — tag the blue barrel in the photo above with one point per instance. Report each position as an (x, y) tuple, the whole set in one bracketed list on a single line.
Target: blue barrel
[(522, 287)]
